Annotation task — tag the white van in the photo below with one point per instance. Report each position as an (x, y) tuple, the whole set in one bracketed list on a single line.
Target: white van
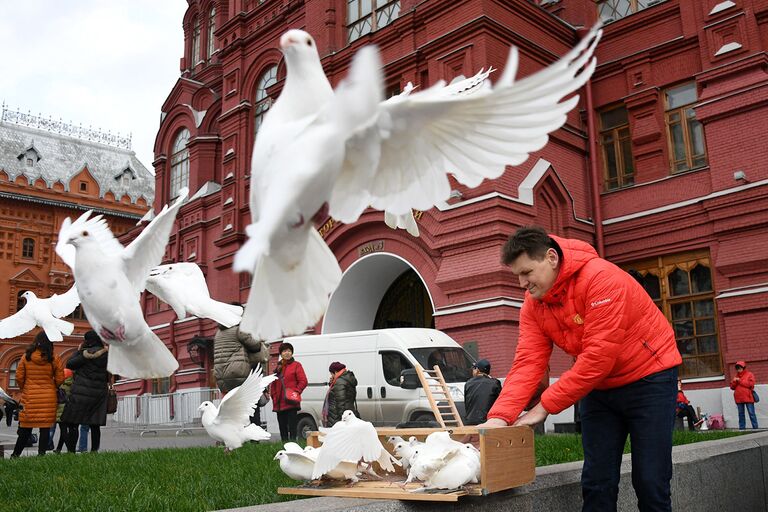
[(377, 359)]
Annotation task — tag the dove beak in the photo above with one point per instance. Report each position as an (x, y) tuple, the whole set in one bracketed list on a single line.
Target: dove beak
[(287, 41)]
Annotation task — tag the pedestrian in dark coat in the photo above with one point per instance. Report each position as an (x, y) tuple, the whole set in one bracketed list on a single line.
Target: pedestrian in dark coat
[(87, 403), (341, 396), (290, 377), (480, 392)]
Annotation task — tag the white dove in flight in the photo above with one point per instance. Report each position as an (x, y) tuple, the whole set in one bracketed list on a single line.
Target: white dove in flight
[(182, 286), (321, 151), (109, 280), (229, 422), (353, 440), (45, 313)]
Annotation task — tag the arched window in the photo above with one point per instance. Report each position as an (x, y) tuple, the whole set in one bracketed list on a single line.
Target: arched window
[(195, 43), (263, 101), (211, 30), (12, 374), (20, 301), (179, 163), (28, 248)]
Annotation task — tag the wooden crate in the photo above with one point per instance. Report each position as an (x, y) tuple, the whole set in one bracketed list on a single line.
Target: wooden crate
[(506, 456)]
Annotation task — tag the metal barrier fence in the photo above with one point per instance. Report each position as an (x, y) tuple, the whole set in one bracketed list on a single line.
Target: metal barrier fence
[(172, 411)]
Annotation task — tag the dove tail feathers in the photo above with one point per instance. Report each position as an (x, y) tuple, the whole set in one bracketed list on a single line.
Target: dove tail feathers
[(56, 328), (145, 358), (223, 313), (248, 257), (286, 301), (256, 433)]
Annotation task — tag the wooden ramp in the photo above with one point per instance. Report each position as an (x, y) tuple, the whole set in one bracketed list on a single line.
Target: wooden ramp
[(439, 397)]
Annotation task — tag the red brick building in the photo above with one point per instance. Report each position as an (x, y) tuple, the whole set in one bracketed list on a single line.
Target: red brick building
[(659, 167), (51, 170)]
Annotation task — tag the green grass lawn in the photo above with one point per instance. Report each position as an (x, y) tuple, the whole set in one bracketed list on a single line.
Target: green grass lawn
[(559, 448), (189, 479)]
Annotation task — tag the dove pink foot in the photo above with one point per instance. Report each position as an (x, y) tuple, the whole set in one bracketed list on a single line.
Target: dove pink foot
[(117, 335)]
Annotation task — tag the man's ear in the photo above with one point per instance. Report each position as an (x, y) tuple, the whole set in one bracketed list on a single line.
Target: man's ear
[(552, 257)]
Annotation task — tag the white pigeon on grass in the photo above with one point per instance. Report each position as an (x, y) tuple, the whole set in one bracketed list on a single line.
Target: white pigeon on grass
[(44, 313), (322, 152), (299, 463), (230, 422), (351, 440), (109, 279), (182, 286)]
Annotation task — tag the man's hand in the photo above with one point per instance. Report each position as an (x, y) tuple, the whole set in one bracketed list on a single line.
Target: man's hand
[(533, 417), (491, 423)]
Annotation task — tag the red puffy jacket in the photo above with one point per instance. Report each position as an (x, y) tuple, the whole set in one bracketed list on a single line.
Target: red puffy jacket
[(294, 378), (597, 313), (742, 390)]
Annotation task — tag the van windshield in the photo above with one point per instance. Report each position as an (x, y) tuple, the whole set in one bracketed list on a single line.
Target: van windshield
[(454, 363)]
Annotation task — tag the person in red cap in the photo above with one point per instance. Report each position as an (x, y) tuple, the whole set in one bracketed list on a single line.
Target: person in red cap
[(625, 369), (65, 389), (743, 386), (341, 395)]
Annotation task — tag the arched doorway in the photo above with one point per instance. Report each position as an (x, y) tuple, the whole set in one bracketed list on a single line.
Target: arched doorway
[(405, 304), (378, 291)]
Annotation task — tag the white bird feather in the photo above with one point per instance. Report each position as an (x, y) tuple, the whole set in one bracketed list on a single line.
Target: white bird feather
[(353, 440), (182, 286), (229, 422), (442, 463), (44, 313), (321, 152), (109, 279)]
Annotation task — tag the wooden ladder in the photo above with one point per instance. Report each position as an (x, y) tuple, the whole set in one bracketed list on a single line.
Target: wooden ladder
[(446, 415)]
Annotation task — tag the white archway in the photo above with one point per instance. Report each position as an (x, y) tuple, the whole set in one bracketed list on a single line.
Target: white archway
[(354, 304)]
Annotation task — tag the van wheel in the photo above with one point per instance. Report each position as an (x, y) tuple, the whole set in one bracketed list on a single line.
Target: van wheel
[(305, 425), (423, 417)]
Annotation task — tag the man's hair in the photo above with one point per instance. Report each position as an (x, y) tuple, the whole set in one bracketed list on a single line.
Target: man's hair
[(531, 240)]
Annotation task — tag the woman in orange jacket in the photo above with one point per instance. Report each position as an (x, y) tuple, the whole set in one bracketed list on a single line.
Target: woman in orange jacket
[(625, 369), (743, 386), (39, 374)]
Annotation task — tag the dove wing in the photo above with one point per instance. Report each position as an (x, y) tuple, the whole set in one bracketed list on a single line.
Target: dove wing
[(147, 250), (178, 282), (191, 278), (402, 160), (19, 323), (238, 404), (64, 304), (347, 442)]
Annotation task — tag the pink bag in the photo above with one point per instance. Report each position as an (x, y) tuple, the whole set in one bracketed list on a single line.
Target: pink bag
[(716, 422)]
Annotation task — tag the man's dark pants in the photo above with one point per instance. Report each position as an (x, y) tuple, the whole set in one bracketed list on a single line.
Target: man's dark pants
[(644, 409)]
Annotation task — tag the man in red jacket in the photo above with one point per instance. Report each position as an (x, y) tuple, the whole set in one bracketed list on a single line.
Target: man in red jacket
[(625, 369)]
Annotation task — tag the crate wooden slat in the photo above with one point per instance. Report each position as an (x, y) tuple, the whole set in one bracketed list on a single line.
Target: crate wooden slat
[(506, 454)]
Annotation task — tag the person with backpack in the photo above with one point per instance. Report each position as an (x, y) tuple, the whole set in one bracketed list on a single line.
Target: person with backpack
[(65, 389), (38, 375)]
